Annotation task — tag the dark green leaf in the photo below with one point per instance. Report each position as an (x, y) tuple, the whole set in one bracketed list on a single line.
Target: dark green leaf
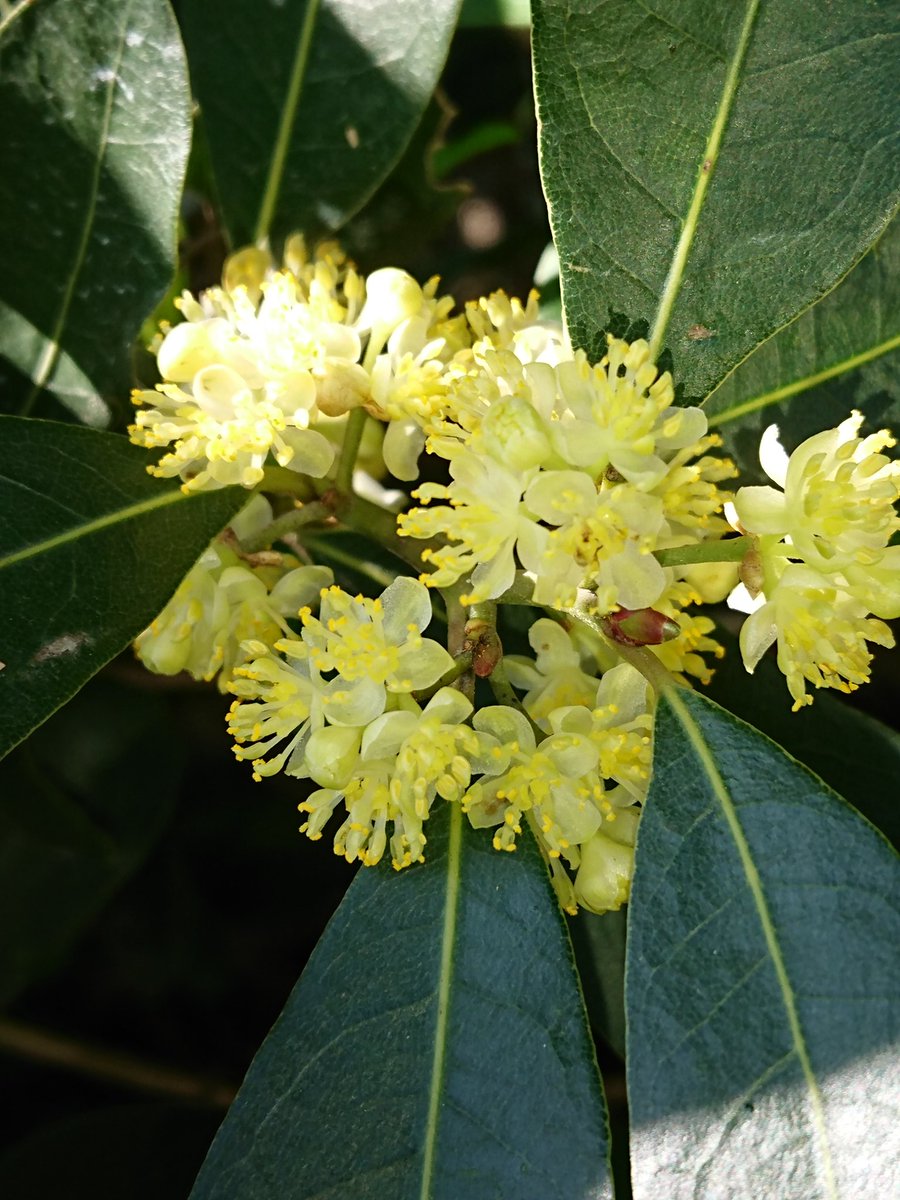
[(96, 117), (309, 105), (435, 1047), (712, 171), (599, 943), (852, 752), (142, 1151), (799, 378), (76, 819), (477, 14), (762, 978), (91, 549)]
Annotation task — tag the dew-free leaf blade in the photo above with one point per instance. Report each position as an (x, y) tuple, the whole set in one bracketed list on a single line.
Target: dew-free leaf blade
[(96, 117), (436, 1047), (91, 548), (799, 378), (309, 104), (712, 170), (852, 752), (762, 981)]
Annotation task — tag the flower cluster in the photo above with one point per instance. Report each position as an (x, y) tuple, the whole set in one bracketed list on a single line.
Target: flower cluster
[(823, 562), (262, 360), (225, 601), (580, 488), (336, 705)]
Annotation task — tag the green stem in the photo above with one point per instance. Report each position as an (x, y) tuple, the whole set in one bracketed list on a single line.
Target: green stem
[(457, 618), (356, 423), (728, 550), (307, 514)]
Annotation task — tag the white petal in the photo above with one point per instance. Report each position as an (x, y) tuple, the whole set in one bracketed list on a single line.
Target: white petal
[(758, 633), (761, 510), (773, 457), (406, 602)]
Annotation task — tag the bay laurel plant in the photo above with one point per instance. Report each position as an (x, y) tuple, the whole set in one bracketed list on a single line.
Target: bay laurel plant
[(469, 571)]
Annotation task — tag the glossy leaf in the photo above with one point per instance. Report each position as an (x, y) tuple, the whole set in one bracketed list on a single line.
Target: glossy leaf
[(842, 354), (96, 118), (435, 1047), (712, 171), (91, 548), (308, 109), (762, 984), (76, 819), (852, 752)]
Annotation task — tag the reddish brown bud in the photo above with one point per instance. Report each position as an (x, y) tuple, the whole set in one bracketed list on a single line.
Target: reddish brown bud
[(640, 627), (487, 650)]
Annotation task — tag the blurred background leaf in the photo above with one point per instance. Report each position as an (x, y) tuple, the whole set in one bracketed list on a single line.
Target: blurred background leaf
[(76, 819), (307, 110), (712, 173), (444, 998), (96, 114), (762, 983), (91, 550)]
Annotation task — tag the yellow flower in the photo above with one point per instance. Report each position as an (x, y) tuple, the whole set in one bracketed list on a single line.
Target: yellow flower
[(821, 631), (836, 510), (224, 601), (407, 758)]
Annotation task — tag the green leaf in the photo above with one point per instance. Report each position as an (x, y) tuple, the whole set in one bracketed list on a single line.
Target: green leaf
[(478, 14), (856, 324), (76, 819), (96, 116), (435, 1047), (309, 105), (762, 976), (599, 944), (91, 549), (852, 752), (712, 172)]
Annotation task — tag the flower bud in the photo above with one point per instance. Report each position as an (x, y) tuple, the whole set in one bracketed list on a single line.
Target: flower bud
[(331, 755), (487, 650), (391, 297), (247, 269), (604, 877), (640, 627)]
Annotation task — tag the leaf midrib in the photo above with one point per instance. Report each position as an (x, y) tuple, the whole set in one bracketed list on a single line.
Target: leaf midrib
[(722, 795), (89, 527), (805, 383), (286, 123), (51, 352), (675, 276), (448, 947)]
